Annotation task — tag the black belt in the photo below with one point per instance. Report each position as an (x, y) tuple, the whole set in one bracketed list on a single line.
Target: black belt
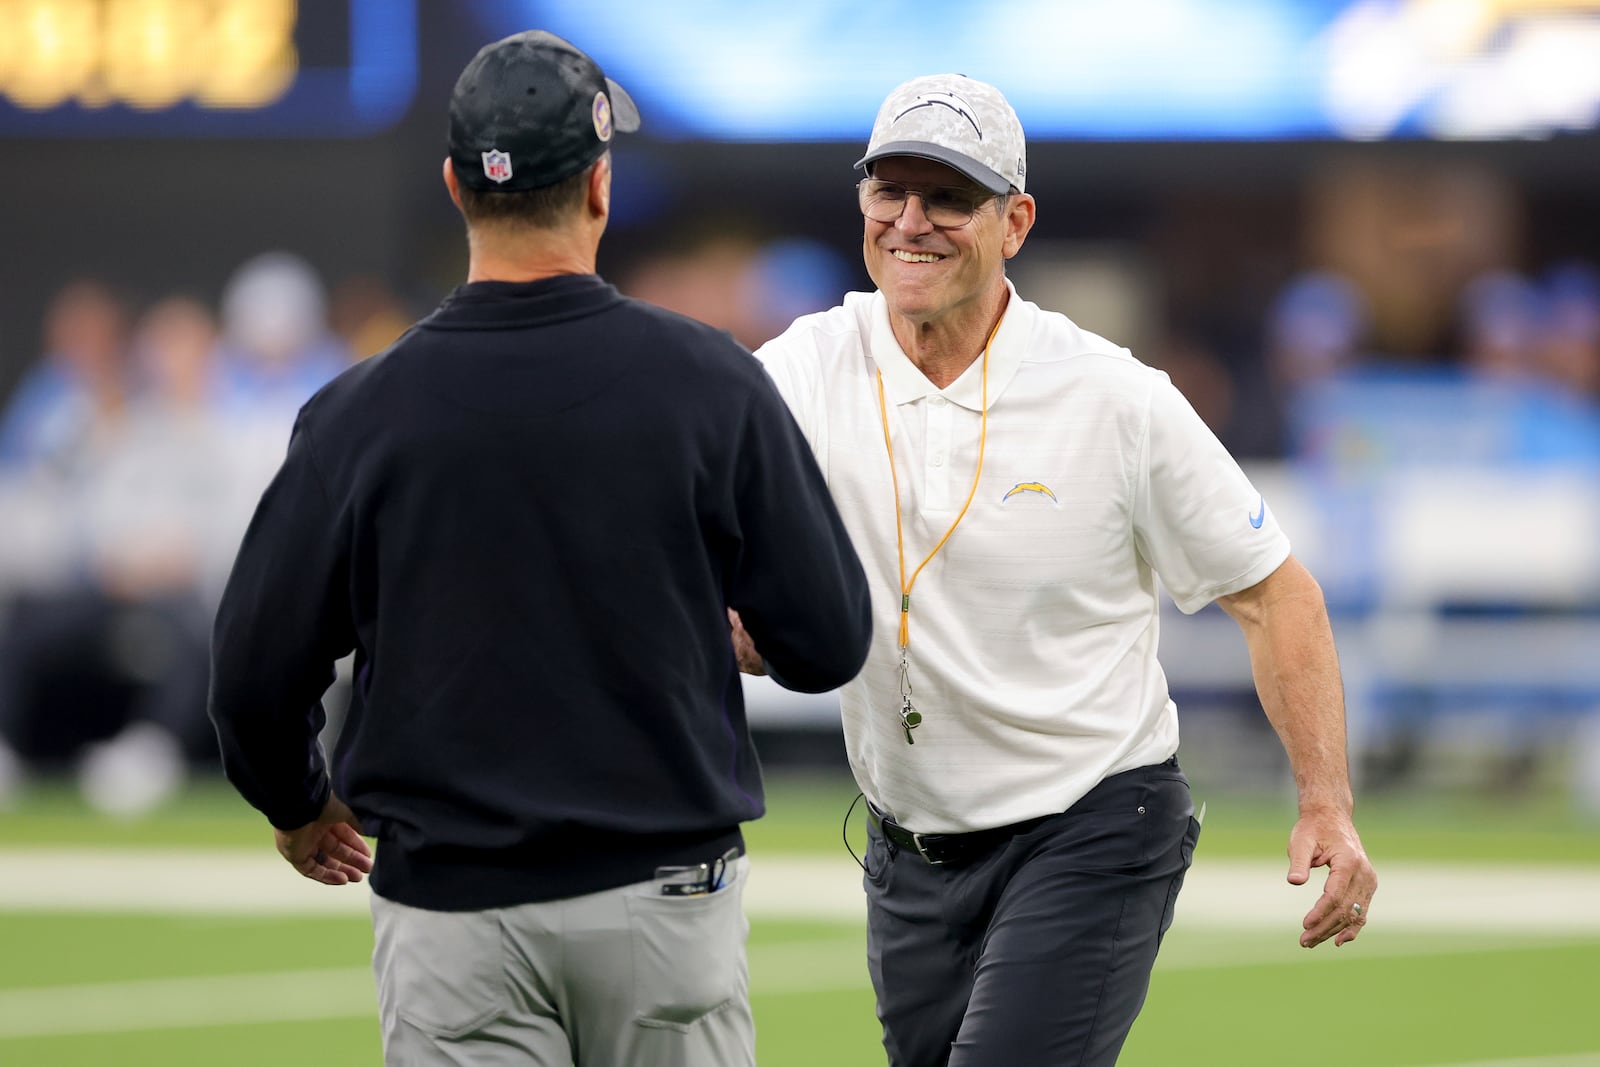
[(949, 848)]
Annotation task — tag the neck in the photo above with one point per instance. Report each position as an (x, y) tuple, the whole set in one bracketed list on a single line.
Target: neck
[(528, 255), (942, 348)]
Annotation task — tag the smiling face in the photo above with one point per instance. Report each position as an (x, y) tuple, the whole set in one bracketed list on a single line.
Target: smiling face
[(934, 275)]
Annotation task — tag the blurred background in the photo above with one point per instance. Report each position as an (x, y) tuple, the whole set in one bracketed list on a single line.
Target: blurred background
[(1362, 236)]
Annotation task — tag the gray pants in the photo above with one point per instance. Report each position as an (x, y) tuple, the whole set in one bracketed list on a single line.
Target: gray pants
[(621, 978)]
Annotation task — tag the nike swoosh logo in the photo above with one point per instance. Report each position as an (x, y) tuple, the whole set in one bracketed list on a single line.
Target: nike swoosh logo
[(1261, 516)]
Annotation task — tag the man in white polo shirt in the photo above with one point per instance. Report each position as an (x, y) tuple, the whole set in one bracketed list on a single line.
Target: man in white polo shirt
[(1014, 485)]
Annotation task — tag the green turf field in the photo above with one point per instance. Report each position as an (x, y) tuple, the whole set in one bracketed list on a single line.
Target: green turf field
[(102, 988)]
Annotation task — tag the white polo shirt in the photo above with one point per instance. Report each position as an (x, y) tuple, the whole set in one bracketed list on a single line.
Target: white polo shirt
[(1034, 630)]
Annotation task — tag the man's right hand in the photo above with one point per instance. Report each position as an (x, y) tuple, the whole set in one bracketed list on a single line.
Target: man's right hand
[(744, 647), (1329, 839)]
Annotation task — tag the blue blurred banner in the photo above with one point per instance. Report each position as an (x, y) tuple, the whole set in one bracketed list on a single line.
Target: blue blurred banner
[(759, 70), (1101, 69)]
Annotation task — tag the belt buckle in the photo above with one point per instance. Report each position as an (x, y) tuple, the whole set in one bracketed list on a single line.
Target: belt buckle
[(916, 839)]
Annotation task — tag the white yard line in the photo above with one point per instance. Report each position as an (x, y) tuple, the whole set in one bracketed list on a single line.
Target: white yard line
[(1219, 894), (1437, 897), (348, 993), (175, 1003), (1511, 902), (343, 993), (1579, 1059)]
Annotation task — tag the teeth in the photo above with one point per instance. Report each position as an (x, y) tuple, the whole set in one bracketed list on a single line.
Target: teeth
[(915, 257)]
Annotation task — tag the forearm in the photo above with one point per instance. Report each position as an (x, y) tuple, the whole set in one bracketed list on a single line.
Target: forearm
[(270, 753), (1285, 623), (1296, 671), (282, 623), (810, 616)]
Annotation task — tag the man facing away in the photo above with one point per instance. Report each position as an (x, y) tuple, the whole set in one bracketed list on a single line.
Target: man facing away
[(529, 519), (1015, 485)]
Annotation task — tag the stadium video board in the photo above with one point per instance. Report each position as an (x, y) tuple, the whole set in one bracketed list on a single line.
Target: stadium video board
[(205, 67)]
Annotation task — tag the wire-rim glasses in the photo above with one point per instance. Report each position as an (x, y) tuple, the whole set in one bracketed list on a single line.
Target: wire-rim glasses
[(946, 207)]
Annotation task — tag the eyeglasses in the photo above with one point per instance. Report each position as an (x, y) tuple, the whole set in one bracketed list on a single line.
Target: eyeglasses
[(945, 207)]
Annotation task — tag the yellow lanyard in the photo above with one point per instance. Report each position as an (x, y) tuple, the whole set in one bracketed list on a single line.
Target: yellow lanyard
[(908, 715)]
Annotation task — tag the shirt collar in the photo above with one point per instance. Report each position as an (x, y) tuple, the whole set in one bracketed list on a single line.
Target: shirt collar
[(904, 383)]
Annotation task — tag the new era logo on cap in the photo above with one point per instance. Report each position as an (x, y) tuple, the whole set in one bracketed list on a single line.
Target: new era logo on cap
[(958, 121)]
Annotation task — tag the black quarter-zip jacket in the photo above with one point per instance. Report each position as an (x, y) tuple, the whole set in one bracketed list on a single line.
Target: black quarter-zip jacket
[(528, 518)]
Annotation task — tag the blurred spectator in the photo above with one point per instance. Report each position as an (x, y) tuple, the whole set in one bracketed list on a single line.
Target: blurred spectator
[(1315, 333), (791, 277), (160, 538), (1315, 330), (1528, 355), (1388, 445), (709, 281), (147, 498), (752, 290), (368, 316), (70, 399), (1502, 315), (159, 502), (1569, 350), (77, 384), (277, 349)]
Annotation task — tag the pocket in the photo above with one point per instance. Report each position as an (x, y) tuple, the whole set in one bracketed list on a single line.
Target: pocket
[(877, 860), (1122, 825), (442, 972), (688, 952), (1167, 809), (1186, 853)]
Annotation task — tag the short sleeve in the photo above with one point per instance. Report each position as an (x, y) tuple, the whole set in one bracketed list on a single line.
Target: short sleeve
[(1198, 521)]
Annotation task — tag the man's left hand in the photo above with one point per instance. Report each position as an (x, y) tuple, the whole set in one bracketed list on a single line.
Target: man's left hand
[(1329, 839), (330, 850)]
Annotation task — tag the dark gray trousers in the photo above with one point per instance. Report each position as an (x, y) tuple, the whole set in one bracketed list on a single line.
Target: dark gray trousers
[(1037, 951)]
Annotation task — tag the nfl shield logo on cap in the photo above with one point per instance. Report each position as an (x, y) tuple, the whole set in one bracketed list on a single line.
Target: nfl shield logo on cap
[(497, 166)]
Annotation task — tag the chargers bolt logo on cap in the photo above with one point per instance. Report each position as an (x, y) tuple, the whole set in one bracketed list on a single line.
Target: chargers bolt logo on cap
[(955, 120), (943, 99), (497, 166)]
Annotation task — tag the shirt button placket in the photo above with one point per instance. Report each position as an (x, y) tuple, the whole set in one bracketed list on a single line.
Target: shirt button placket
[(936, 473)]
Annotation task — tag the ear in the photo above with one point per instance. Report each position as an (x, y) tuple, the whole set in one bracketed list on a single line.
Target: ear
[(600, 187), (451, 183), (1018, 221)]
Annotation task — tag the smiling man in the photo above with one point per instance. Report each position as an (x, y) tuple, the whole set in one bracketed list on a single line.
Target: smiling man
[(1015, 485)]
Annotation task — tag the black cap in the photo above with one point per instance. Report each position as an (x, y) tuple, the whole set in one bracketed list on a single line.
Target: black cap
[(531, 110)]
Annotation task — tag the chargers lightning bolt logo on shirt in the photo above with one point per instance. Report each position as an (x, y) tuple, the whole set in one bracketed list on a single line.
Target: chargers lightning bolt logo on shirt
[(1260, 516), (1029, 487)]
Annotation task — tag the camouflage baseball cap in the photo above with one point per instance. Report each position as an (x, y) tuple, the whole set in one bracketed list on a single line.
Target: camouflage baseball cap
[(960, 122), (531, 110)]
